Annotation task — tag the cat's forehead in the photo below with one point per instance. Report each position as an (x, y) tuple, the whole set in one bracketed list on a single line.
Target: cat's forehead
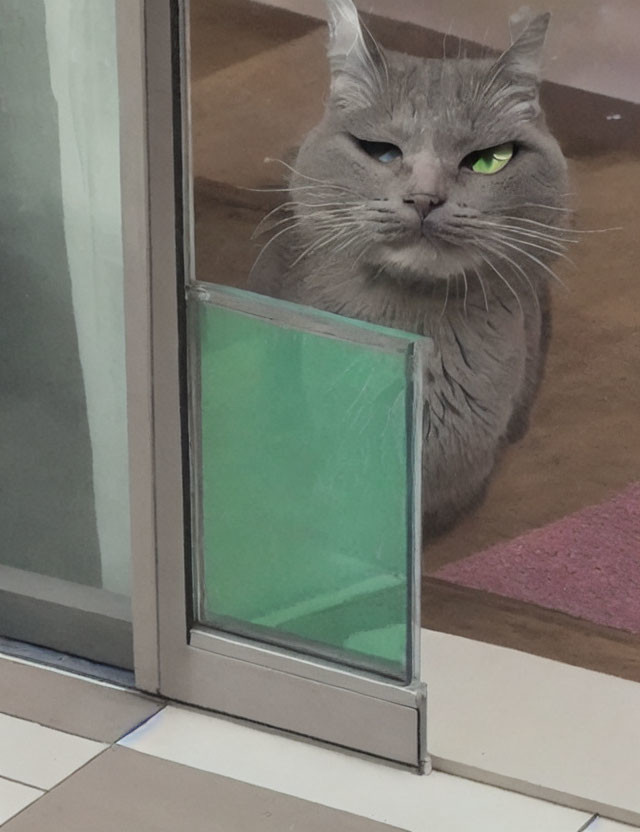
[(431, 100)]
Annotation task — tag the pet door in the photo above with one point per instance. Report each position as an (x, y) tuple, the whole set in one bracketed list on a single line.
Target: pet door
[(304, 479)]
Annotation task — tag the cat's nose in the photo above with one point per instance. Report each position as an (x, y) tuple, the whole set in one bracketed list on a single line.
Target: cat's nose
[(423, 203)]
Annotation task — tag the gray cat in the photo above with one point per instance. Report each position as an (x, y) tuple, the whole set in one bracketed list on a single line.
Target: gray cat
[(430, 199)]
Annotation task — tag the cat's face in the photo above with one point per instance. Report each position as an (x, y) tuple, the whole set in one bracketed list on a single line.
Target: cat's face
[(422, 159)]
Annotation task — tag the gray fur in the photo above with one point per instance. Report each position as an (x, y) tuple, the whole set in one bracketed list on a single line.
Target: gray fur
[(473, 274)]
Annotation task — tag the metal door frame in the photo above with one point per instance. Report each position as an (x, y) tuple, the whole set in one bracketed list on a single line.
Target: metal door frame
[(203, 668)]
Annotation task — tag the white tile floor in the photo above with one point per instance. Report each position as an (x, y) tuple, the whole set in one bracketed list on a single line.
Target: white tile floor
[(39, 756), (437, 803), (569, 731), (14, 797), (471, 679), (604, 825)]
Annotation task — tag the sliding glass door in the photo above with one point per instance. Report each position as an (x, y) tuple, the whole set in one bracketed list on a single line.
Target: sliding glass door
[(285, 456), (64, 509), (254, 464)]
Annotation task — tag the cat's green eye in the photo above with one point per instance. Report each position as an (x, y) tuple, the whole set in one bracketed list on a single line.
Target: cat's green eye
[(491, 160)]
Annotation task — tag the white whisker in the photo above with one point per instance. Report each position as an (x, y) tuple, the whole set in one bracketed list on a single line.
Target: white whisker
[(267, 245), (506, 282), (482, 287), (268, 160), (505, 237), (518, 267), (539, 262), (446, 299)]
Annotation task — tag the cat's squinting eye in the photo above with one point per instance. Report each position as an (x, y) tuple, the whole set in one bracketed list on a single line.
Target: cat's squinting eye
[(384, 152), (491, 160)]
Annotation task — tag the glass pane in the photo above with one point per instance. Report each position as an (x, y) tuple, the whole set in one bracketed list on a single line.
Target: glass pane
[(64, 510), (531, 541), (306, 489)]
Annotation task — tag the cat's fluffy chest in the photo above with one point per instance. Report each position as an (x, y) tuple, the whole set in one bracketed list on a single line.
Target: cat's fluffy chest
[(477, 364), (478, 352)]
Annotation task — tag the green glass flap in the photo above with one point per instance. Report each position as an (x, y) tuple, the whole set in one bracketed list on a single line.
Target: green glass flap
[(305, 488)]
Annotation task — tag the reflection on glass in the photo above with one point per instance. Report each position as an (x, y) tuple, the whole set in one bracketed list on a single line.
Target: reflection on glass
[(306, 486), (63, 453)]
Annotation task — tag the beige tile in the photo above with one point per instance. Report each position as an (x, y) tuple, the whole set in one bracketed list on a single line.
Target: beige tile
[(131, 792), (68, 703), (14, 797), (39, 756)]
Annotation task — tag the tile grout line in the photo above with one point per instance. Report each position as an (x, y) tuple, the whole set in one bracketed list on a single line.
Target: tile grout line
[(53, 788), (162, 703), (21, 783), (141, 723), (107, 746), (59, 730)]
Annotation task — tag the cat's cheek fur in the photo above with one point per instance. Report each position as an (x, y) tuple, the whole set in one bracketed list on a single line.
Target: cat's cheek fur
[(326, 151)]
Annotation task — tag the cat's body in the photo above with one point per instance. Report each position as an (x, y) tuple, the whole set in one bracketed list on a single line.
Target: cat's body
[(384, 224)]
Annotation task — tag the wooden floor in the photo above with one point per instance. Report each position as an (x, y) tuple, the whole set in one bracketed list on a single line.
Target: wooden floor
[(498, 620)]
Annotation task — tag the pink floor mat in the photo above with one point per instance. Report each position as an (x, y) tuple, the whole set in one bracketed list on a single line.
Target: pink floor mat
[(587, 564)]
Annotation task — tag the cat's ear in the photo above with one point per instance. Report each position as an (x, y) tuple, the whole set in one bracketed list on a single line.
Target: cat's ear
[(524, 57), (355, 58), (521, 65)]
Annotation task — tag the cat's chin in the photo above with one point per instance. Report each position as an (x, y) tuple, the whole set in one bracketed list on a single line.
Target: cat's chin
[(422, 260)]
